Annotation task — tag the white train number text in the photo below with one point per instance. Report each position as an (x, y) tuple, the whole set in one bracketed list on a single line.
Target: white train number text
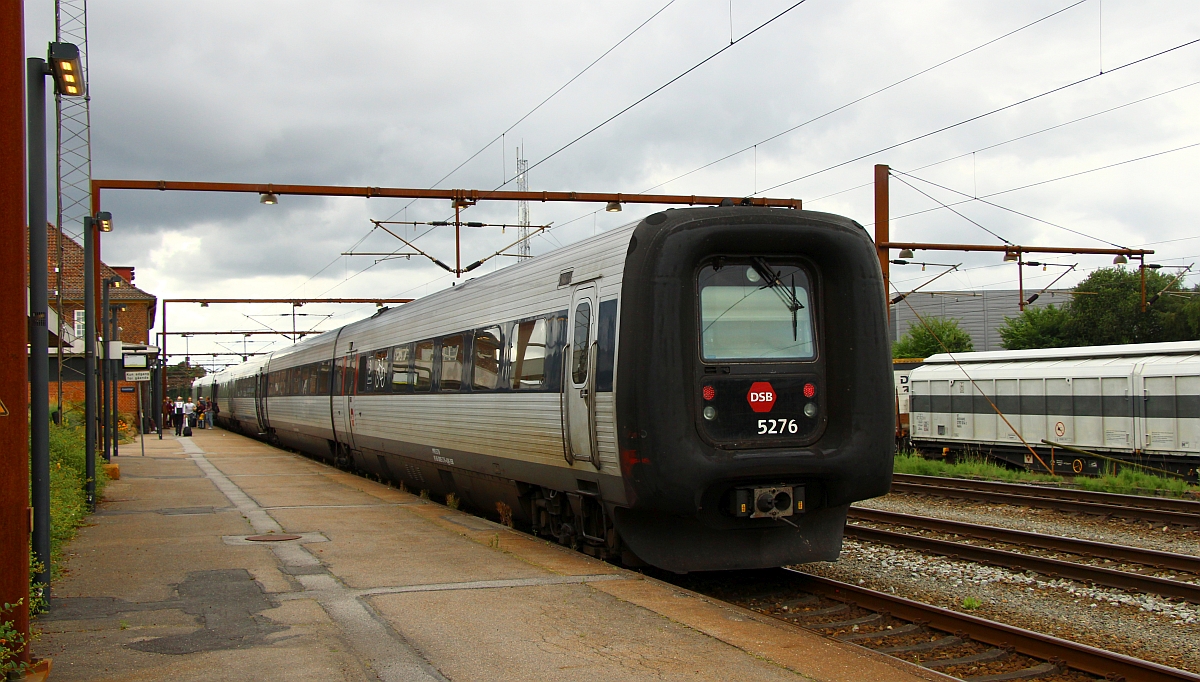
[(777, 426)]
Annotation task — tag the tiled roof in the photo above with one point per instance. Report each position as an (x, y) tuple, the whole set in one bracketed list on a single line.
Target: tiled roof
[(73, 279)]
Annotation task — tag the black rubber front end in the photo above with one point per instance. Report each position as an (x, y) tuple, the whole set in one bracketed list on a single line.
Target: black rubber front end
[(678, 477)]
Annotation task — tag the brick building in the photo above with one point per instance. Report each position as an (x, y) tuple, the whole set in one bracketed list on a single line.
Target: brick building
[(134, 321)]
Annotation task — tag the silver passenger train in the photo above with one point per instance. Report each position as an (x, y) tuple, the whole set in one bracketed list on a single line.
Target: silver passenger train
[(705, 389)]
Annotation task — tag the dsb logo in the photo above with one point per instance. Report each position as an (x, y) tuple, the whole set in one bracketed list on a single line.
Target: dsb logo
[(761, 396)]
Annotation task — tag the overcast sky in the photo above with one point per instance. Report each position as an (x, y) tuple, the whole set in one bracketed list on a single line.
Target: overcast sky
[(398, 94)]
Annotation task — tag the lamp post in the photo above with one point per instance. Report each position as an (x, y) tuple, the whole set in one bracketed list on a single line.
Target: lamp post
[(64, 66), (101, 222), (108, 379), (116, 365)]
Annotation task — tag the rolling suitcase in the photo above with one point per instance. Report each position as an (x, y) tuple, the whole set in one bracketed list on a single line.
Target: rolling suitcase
[(187, 431)]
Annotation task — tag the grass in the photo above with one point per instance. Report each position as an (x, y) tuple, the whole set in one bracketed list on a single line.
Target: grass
[(1127, 481), (68, 501)]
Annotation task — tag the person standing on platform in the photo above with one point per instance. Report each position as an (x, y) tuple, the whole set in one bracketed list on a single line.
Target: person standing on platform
[(201, 408), (189, 413), (178, 415), (211, 412), (167, 413)]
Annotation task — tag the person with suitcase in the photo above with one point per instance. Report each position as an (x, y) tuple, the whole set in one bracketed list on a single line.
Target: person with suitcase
[(189, 417), (178, 415)]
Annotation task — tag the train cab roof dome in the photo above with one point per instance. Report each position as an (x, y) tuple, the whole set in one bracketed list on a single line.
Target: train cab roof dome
[(1116, 351)]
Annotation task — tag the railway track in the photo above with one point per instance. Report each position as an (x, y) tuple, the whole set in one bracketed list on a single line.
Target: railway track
[(1163, 510), (1052, 567), (957, 644)]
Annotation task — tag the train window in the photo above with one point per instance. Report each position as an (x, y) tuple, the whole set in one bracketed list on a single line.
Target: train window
[(581, 341), (338, 376), (402, 374), (486, 359), (376, 371), (527, 355), (452, 363), (755, 310), (322, 380), (423, 366)]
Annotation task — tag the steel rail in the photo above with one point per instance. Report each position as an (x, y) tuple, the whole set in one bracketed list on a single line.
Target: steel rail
[(1137, 555), (1036, 644), (1054, 568), (1147, 501), (1101, 509)]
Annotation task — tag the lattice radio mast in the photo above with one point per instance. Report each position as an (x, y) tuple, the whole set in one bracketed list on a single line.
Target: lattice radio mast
[(522, 206), (73, 163)]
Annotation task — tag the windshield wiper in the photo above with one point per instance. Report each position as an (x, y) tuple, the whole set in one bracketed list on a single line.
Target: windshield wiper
[(774, 281)]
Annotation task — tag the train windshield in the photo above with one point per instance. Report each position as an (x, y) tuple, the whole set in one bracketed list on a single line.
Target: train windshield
[(755, 310)]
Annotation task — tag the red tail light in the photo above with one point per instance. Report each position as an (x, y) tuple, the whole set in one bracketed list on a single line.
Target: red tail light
[(809, 390), (709, 392)]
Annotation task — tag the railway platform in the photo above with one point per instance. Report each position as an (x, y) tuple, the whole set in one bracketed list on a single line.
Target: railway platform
[(218, 557)]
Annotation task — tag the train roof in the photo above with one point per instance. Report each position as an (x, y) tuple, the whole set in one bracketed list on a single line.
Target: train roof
[(1127, 350)]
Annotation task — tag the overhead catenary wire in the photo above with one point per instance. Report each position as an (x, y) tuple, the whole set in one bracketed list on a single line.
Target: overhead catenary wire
[(977, 117), (864, 97), (897, 173), (657, 90), (540, 104), (938, 201), (1015, 139), (1045, 182)]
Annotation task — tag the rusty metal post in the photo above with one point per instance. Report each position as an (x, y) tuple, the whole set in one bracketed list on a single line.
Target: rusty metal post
[(1020, 282), (457, 241), (1142, 267), (14, 380), (882, 236), (163, 349)]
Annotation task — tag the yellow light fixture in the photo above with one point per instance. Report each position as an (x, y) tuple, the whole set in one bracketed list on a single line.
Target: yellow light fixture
[(613, 207), (268, 198)]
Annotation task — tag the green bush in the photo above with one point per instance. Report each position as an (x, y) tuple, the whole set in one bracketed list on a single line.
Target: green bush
[(924, 340)]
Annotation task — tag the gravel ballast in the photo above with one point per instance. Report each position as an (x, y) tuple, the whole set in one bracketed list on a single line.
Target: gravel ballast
[(1139, 625)]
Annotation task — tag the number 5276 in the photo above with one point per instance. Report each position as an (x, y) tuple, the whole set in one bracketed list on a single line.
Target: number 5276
[(777, 426)]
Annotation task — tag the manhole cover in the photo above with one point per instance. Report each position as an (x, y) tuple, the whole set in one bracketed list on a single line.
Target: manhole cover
[(272, 538)]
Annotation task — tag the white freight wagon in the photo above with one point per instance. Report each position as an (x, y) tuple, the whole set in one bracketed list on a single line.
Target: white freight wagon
[(1136, 401)]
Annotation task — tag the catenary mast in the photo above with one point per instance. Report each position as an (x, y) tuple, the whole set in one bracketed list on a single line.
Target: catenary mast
[(73, 163)]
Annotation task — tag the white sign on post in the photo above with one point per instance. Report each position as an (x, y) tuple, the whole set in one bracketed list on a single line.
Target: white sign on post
[(143, 375)]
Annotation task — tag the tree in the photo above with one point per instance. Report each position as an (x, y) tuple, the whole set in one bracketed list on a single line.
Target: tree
[(1037, 328), (1106, 309), (922, 340), (180, 377)]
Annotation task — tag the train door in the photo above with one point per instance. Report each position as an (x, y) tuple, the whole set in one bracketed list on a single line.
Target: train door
[(1118, 415), (346, 377), (1158, 413), (579, 382), (260, 399)]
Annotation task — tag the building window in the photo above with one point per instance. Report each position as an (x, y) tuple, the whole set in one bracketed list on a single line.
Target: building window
[(79, 323)]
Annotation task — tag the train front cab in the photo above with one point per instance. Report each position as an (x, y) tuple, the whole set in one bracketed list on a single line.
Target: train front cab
[(754, 386)]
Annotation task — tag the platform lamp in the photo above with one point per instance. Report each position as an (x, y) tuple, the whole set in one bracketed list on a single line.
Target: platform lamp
[(64, 66)]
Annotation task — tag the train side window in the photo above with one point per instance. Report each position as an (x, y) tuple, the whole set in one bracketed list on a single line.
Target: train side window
[(452, 363), (486, 357), (339, 373), (376, 371), (402, 374), (322, 381), (581, 342), (527, 355), (423, 366)]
